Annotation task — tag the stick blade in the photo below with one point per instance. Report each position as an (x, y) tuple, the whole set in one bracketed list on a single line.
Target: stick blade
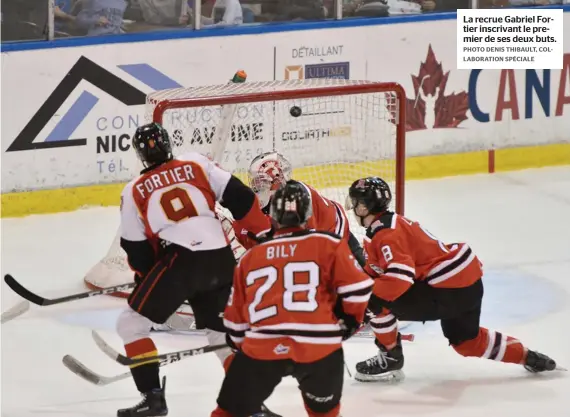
[(81, 370), (88, 375), (22, 291), (15, 311)]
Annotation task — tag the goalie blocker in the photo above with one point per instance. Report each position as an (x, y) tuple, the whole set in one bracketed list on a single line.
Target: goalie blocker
[(178, 249)]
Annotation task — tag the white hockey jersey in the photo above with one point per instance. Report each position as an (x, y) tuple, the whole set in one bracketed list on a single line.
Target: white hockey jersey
[(176, 202)]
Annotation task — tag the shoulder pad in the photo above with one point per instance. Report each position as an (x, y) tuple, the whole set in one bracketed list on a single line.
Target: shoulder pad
[(292, 234), (381, 223), (306, 233), (322, 232)]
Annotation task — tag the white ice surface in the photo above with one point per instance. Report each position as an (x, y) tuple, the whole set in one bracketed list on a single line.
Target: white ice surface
[(517, 223)]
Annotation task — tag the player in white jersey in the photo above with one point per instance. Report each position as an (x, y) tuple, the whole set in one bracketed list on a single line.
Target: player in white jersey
[(178, 249)]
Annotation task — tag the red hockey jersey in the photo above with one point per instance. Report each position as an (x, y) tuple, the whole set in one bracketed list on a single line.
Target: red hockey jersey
[(328, 216), (400, 251), (284, 294)]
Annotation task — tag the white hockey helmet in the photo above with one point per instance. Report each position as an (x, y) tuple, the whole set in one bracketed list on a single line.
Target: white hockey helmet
[(267, 172)]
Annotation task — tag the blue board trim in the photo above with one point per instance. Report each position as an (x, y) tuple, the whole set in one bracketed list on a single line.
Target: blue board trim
[(250, 29)]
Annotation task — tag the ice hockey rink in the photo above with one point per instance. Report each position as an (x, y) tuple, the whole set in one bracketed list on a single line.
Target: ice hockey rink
[(516, 222)]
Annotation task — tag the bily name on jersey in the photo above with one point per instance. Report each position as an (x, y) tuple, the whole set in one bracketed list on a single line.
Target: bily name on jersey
[(280, 251), (165, 178)]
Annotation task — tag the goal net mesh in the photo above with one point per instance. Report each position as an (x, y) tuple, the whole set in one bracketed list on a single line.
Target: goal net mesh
[(331, 131)]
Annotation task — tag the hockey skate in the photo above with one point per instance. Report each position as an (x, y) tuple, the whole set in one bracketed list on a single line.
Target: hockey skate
[(386, 366), (266, 412), (537, 362), (153, 404)]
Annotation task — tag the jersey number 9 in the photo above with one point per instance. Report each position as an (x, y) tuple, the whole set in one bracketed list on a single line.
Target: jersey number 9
[(177, 205)]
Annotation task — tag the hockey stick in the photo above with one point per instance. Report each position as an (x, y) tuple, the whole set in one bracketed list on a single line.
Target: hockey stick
[(87, 374), (15, 311), (41, 301), (164, 359), (220, 138)]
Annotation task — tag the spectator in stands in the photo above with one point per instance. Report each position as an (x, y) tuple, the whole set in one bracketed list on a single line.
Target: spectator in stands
[(294, 10), (64, 21), (163, 12), (100, 17), (224, 13), (533, 2), (24, 20), (383, 8)]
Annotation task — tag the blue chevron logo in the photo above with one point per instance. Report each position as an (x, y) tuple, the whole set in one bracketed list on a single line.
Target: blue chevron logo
[(86, 70)]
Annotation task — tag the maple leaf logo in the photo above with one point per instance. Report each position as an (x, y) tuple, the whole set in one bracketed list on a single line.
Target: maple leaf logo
[(431, 107)]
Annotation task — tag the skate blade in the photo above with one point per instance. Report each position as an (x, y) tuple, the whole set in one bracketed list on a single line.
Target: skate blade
[(386, 378), (558, 368)]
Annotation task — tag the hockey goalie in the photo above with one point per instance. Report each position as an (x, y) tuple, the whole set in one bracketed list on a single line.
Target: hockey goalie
[(271, 170)]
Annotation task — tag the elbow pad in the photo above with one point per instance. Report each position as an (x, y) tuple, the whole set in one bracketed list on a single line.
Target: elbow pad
[(238, 198)]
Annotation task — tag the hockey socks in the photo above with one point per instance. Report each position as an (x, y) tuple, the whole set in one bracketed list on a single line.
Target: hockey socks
[(385, 328), (493, 345), (146, 374)]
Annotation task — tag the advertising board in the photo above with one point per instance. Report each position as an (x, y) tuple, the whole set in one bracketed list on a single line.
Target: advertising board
[(70, 120)]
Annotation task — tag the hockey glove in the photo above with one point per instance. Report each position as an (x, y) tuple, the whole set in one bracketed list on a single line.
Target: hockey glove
[(349, 326), (348, 323), (231, 343)]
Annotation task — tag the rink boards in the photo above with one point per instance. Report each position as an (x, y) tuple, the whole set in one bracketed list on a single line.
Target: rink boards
[(419, 167)]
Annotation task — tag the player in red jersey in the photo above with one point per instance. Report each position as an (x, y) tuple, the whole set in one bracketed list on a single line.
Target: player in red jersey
[(269, 171), (420, 278), (295, 298), (178, 249)]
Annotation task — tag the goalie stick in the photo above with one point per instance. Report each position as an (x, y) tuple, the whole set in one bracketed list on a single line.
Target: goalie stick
[(15, 311), (41, 301), (164, 359)]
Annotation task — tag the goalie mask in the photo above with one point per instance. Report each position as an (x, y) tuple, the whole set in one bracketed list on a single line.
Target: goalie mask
[(367, 196), (267, 173), (152, 144), (291, 205)]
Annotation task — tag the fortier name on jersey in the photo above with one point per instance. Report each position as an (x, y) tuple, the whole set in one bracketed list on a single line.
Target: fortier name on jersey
[(165, 178)]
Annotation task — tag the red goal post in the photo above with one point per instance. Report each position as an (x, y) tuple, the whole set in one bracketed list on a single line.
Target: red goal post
[(332, 132)]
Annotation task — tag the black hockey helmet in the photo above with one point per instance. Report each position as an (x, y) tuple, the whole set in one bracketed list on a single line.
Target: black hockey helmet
[(372, 193), (152, 143), (291, 204)]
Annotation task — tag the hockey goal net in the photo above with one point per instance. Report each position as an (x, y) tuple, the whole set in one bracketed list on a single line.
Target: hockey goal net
[(332, 132)]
